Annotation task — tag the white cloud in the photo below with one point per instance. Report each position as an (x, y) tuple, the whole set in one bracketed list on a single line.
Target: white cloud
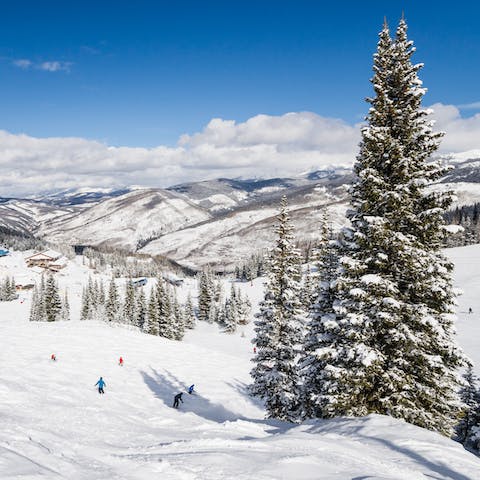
[(262, 146), (23, 63), (55, 66), (461, 133)]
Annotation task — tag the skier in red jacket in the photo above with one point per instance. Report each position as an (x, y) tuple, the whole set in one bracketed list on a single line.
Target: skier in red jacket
[(120, 362)]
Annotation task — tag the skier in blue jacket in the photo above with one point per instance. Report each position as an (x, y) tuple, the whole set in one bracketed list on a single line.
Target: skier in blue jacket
[(100, 384)]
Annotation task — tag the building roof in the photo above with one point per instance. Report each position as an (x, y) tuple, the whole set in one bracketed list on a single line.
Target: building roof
[(45, 255)]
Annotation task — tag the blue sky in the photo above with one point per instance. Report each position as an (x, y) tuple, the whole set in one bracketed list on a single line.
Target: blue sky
[(142, 73), (154, 93)]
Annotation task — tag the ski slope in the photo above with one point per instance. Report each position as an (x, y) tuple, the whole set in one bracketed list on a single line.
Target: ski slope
[(54, 424)]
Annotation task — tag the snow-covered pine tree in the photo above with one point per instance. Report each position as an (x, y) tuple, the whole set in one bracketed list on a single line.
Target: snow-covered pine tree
[(141, 311), (244, 308), (65, 311), (53, 302), (85, 310), (468, 430), (112, 303), (189, 313), (394, 344), (279, 328), (178, 319), (151, 326), (321, 326), (129, 304), (7, 289), (206, 294), (230, 312), (165, 310)]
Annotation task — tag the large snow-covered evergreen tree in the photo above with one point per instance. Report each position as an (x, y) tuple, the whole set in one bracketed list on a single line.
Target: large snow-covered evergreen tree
[(279, 328), (393, 336)]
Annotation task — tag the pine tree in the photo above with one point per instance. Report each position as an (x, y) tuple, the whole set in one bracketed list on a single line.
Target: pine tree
[(129, 304), (206, 294), (85, 311), (189, 313), (393, 336), (65, 311), (153, 315), (468, 430), (178, 320), (141, 311), (53, 303), (278, 328), (112, 303), (321, 327)]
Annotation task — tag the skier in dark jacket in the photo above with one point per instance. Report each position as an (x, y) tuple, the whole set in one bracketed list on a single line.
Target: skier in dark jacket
[(190, 388), (178, 398), (101, 384)]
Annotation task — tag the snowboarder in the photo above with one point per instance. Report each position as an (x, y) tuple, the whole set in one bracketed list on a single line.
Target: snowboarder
[(53, 357), (120, 361), (190, 389), (100, 384), (177, 399)]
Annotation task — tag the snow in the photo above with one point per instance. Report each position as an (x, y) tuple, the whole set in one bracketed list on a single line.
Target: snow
[(54, 425)]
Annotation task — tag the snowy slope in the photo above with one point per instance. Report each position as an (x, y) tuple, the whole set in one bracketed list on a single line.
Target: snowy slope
[(56, 426), (228, 240), (25, 216)]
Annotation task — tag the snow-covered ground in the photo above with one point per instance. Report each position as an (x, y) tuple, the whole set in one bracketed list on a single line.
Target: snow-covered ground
[(54, 424)]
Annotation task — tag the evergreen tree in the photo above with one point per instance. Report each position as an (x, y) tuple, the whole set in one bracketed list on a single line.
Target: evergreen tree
[(468, 430), (86, 308), (53, 303), (393, 336), (112, 304), (129, 304), (189, 313), (321, 326), (141, 311), (153, 315), (65, 311), (178, 320), (206, 294), (278, 328)]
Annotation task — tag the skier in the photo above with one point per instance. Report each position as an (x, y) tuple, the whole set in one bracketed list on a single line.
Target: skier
[(254, 349), (120, 362), (470, 310), (190, 388), (177, 398), (53, 357), (100, 384)]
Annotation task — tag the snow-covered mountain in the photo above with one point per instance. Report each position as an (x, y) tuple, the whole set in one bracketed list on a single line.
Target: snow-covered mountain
[(218, 221), (126, 221), (56, 426), (26, 216)]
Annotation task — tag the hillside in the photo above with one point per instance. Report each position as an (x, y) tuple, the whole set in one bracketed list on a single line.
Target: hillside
[(55, 425), (126, 220)]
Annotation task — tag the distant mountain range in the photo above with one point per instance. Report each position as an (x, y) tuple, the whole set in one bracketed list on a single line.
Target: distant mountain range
[(219, 222)]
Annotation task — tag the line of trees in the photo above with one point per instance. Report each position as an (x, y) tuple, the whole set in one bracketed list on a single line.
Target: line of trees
[(160, 313), (379, 335)]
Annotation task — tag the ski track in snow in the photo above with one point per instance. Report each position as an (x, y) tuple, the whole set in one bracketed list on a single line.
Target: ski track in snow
[(54, 424)]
